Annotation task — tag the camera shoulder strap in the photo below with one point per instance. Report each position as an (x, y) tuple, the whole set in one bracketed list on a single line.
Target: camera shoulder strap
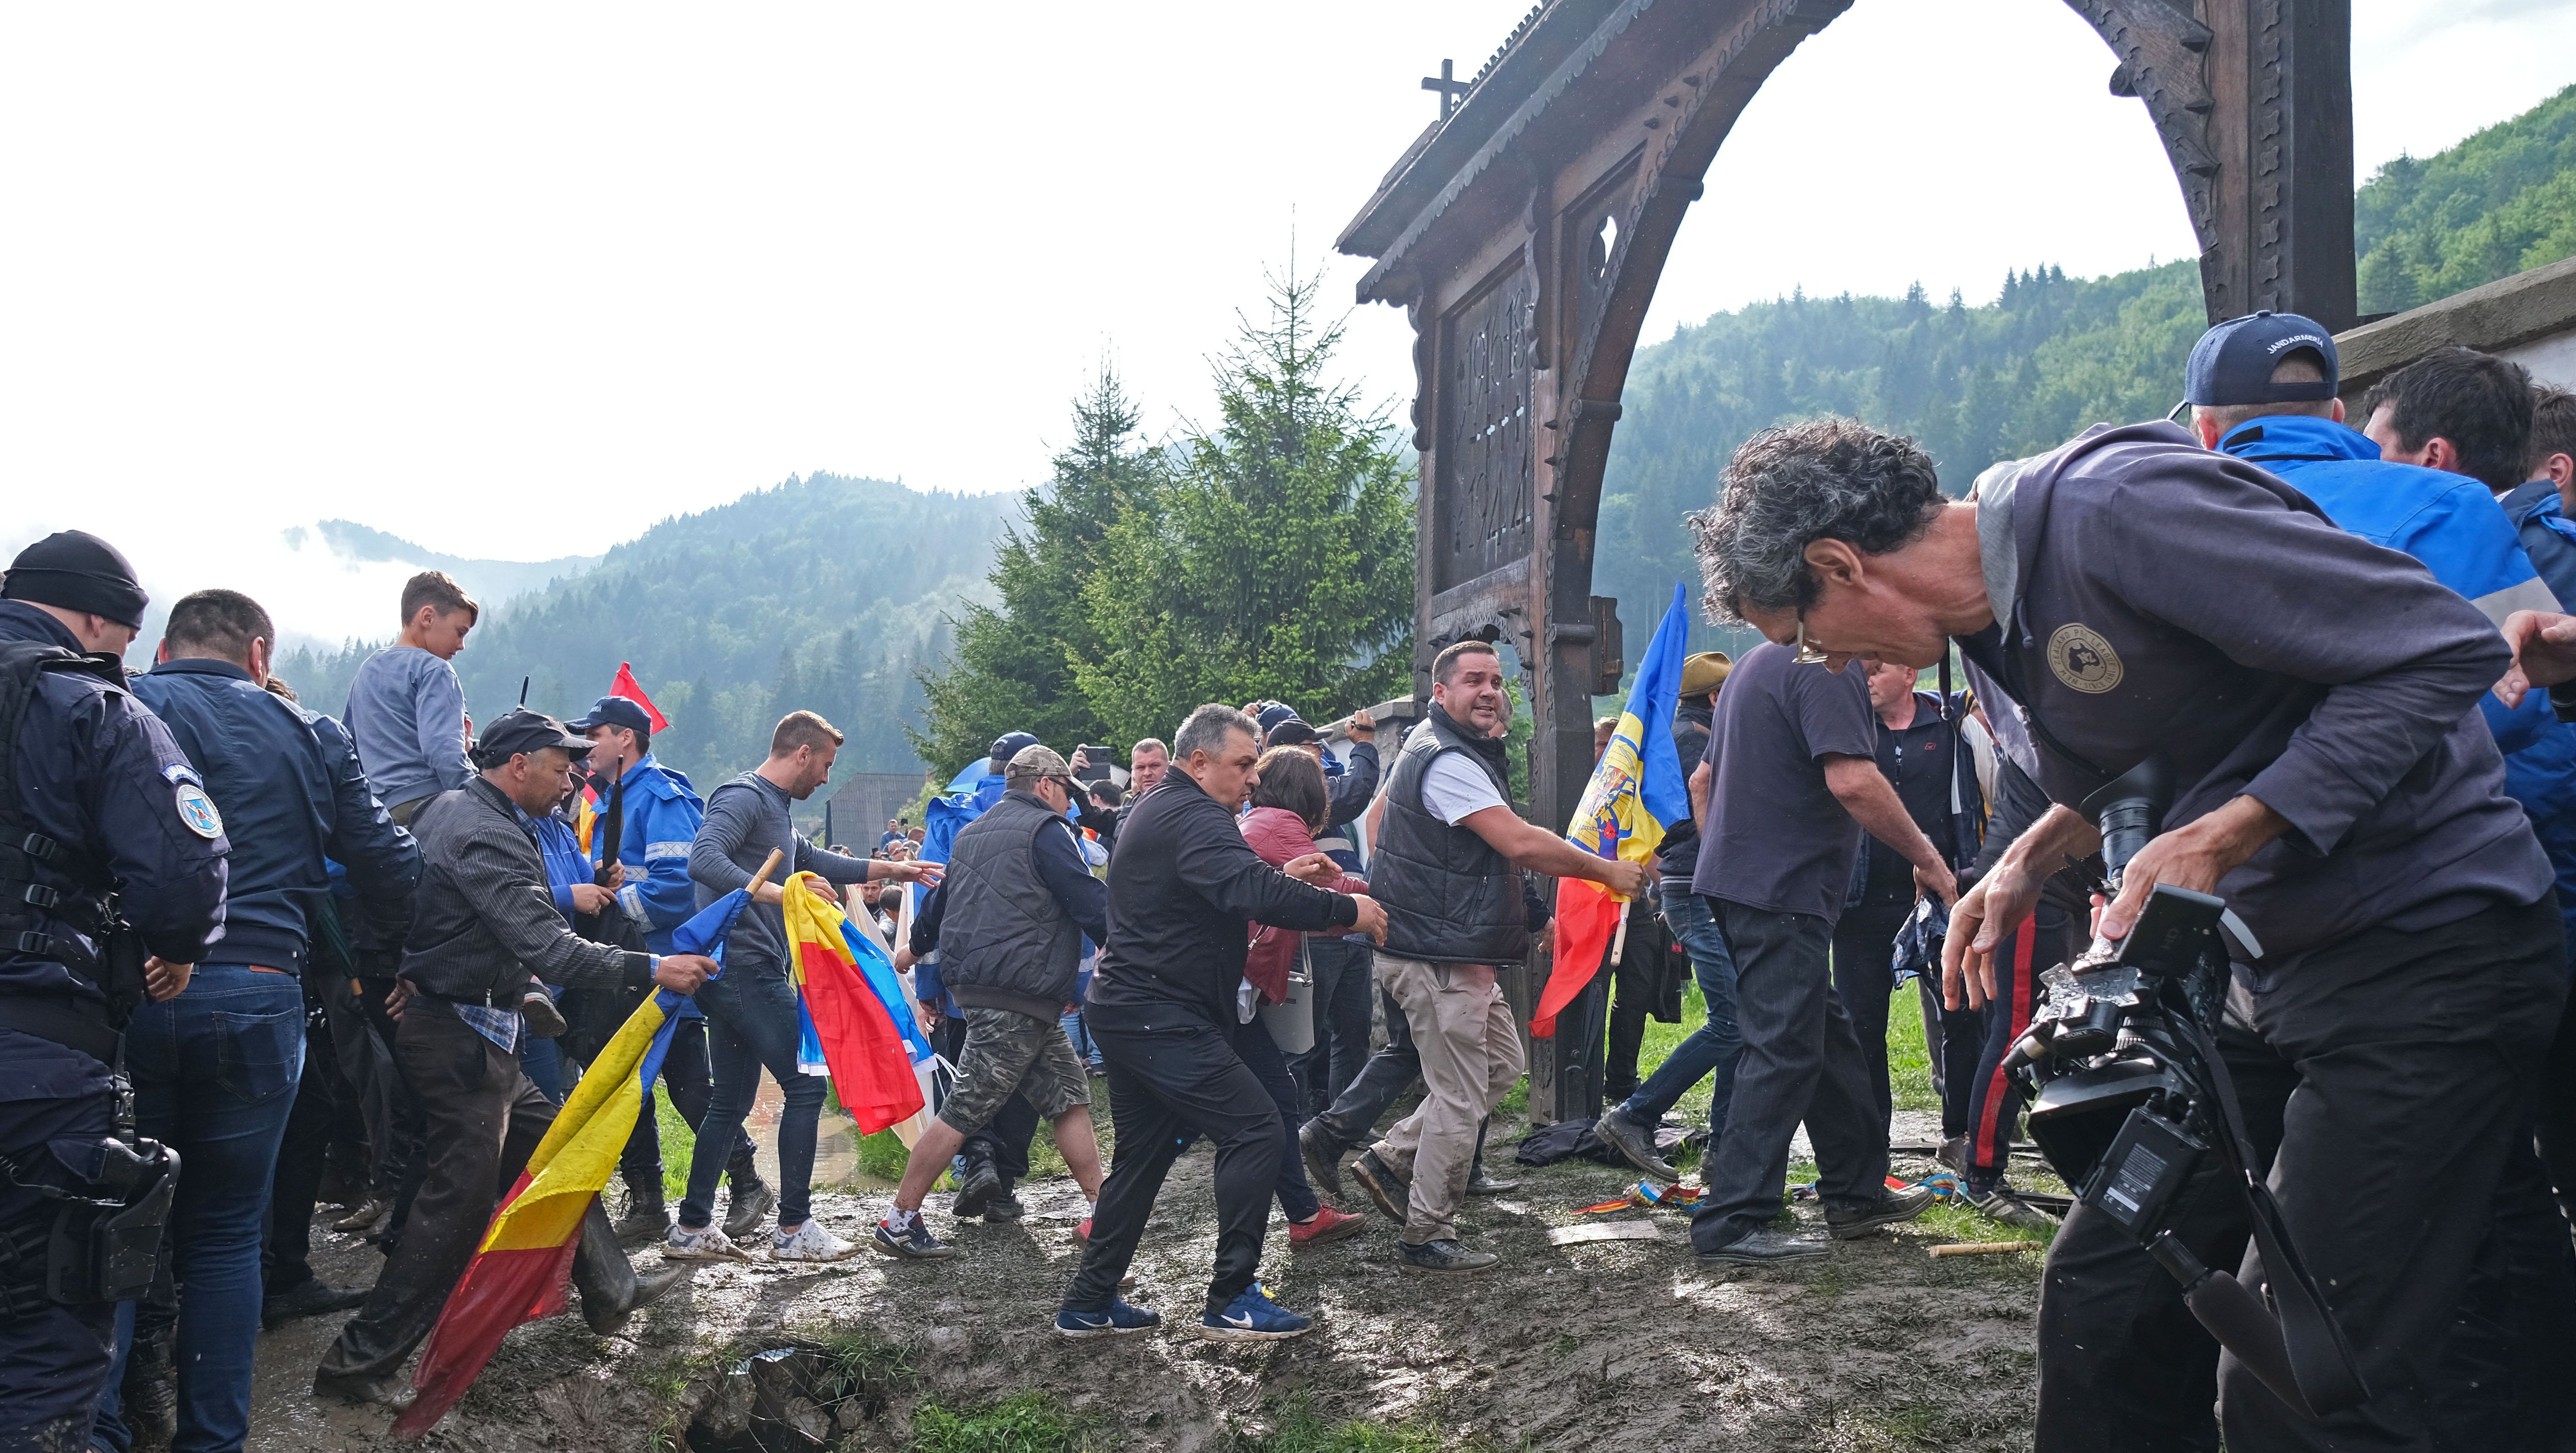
[(2320, 1355)]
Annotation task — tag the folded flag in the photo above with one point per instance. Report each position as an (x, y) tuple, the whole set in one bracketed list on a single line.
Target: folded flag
[(518, 1273), (1635, 793), (855, 1010)]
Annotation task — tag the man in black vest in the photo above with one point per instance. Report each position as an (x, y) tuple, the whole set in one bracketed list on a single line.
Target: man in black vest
[(1166, 1008), (1008, 922), (1448, 868), (484, 919)]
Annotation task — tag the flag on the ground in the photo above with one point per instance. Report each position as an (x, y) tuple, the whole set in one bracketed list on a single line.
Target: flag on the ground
[(1637, 790), (625, 685), (518, 1273), (854, 1009)]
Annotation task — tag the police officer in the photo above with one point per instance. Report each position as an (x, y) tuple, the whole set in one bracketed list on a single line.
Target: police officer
[(661, 816), (2134, 594), (216, 1069), (101, 817)]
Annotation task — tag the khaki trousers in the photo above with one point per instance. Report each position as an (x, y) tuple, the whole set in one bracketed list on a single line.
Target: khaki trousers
[(1471, 1054)]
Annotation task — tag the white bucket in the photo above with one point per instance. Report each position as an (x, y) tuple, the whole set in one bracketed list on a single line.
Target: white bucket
[(1291, 1026)]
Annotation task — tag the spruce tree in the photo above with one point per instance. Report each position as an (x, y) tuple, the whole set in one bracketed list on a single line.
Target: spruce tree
[(1275, 560), (1012, 666)]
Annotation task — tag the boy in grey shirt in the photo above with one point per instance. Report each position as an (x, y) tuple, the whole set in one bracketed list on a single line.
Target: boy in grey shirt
[(406, 711)]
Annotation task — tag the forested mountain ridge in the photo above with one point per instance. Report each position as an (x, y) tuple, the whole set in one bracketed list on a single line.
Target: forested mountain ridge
[(2048, 357), (825, 593)]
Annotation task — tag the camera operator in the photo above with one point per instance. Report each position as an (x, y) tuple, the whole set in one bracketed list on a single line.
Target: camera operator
[(2136, 595)]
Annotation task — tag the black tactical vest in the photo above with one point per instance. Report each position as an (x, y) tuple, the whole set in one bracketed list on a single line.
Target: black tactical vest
[(44, 883)]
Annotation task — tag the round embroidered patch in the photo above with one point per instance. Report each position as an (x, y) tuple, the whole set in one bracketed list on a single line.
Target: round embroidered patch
[(197, 811), (2083, 660)]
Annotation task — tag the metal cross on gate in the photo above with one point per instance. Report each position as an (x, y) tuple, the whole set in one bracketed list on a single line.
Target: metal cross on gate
[(1451, 89)]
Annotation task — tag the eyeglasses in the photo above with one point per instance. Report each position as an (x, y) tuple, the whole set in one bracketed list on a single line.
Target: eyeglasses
[(1808, 654)]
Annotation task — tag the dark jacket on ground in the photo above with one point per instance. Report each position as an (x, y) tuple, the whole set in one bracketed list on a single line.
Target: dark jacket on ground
[(1449, 897), (2152, 596), (1013, 910), (294, 800), (98, 774), (486, 918), (1183, 890)]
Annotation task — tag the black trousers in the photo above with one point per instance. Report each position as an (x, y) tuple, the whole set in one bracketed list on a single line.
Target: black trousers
[(1865, 980), (1163, 1085), (2384, 1079), (1995, 1098), (1645, 984), (485, 1119), (54, 1360), (320, 1098), (2555, 1123), (1343, 982), (1801, 1061)]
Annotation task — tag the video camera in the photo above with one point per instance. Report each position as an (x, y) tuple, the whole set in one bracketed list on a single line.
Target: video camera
[(2131, 1098)]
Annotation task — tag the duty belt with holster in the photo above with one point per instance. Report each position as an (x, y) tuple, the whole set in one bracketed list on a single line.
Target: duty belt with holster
[(105, 1235)]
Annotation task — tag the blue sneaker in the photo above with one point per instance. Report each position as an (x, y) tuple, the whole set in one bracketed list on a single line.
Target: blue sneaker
[(1120, 1318), (1253, 1317), (913, 1243)]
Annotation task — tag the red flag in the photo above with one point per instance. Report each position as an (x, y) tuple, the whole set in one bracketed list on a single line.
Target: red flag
[(625, 686), (1586, 915)]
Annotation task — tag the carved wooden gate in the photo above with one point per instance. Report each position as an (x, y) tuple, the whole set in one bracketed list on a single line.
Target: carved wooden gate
[(1525, 231)]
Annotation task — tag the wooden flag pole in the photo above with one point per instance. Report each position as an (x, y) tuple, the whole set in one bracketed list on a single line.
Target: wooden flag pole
[(767, 867), (1619, 940)]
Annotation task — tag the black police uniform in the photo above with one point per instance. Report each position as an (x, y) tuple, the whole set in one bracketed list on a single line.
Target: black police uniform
[(95, 801)]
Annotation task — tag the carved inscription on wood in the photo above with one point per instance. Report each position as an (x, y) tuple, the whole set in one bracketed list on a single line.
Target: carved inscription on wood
[(1483, 496)]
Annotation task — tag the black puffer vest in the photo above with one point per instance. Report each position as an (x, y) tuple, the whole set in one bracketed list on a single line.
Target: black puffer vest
[(1004, 940), (1448, 897)]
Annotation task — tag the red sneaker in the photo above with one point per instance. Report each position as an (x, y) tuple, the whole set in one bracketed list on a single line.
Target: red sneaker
[(1328, 1225), (1082, 1232)]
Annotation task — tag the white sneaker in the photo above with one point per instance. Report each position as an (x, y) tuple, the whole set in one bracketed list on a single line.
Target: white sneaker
[(810, 1242), (707, 1243)]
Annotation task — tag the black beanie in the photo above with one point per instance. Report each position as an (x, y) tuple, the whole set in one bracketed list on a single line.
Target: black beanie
[(78, 571)]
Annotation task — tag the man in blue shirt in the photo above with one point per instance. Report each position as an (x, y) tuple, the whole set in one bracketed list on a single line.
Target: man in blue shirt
[(660, 818), (215, 1069)]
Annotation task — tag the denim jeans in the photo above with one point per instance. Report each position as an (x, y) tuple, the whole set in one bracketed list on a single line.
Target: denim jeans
[(1711, 1049), (214, 1075), (751, 1025)]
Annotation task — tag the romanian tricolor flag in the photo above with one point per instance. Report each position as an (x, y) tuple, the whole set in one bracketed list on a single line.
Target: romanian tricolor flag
[(854, 1011), (519, 1271), (1637, 790)]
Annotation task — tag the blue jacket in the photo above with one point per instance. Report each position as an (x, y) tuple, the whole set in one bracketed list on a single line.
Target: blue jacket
[(2450, 522), (294, 800), (2548, 536), (662, 817), (2445, 521), (98, 773), (560, 849)]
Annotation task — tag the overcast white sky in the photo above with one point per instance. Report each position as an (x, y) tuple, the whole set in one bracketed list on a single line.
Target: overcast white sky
[(435, 268)]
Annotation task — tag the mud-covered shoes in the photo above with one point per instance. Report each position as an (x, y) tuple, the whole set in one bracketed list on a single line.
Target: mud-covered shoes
[(813, 1242), (706, 1243), (1120, 1318), (910, 1241)]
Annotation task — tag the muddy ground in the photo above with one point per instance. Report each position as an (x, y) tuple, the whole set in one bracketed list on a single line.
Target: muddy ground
[(1626, 1343)]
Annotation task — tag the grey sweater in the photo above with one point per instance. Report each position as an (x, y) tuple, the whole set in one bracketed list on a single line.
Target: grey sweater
[(407, 715), (746, 818)]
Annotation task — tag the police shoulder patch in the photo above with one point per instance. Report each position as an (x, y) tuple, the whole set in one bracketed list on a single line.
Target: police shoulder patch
[(197, 812), (2081, 658)]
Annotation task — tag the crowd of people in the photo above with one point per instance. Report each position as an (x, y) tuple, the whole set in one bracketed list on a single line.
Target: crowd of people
[(253, 950)]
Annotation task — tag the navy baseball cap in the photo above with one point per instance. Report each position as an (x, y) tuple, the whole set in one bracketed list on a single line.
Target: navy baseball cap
[(2233, 362), (1271, 715), (614, 711), (1009, 745)]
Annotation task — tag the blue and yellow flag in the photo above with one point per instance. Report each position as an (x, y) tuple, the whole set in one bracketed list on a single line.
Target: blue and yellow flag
[(1637, 790)]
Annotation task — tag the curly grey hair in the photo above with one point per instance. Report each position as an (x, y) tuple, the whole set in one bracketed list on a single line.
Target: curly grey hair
[(1787, 487), (1205, 730)]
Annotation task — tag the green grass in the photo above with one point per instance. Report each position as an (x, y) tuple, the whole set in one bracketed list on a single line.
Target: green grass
[(1024, 1422), (1909, 1062)]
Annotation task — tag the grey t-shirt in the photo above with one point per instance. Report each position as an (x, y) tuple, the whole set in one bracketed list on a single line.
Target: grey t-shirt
[(746, 818), (407, 715), (1777, 837)]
